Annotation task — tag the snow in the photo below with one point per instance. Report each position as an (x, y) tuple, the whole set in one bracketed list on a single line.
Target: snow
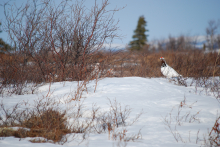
[(156, 98)]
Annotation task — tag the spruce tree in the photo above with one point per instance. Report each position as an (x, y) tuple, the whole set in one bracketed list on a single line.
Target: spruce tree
[(3, 45), (139, 37)]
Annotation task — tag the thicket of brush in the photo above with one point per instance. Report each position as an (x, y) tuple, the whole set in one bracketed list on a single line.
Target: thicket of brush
[(51, 122), (193, 63), (17, 76), (43, 51)]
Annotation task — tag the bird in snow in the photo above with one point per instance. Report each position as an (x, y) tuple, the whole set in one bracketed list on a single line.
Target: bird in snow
[(168, 71)]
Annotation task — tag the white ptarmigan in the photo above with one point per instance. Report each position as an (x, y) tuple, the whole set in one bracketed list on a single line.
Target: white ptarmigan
[(168, 71)]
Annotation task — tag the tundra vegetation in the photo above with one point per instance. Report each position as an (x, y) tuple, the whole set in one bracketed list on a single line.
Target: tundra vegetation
[(52, 42)]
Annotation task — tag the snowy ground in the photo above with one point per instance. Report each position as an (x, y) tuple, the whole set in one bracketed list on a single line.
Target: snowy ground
[(155, 97)]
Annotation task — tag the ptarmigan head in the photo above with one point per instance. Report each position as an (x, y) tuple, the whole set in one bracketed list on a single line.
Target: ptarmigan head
[(163, 62)]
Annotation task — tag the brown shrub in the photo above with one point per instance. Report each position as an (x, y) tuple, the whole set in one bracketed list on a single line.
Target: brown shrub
[(193, 63), (50, 124), (4, 132), (189, 63)]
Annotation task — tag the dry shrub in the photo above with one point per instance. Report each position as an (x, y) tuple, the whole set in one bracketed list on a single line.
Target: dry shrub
[(198, 65), (44, 119), (188, 63), (193, 63), (214, 134), (5, 131), (18, 77), (115, 123), (58, 53), (183, 116), (50, 124)]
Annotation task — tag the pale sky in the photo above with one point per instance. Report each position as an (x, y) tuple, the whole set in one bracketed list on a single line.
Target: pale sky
[(164, 17)]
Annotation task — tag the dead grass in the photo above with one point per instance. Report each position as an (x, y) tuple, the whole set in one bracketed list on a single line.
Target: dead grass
[(42, 120), (50, 124), (194, 63)]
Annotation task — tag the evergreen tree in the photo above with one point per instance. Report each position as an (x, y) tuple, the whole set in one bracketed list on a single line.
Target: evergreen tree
[(3, 45), (139, 37)]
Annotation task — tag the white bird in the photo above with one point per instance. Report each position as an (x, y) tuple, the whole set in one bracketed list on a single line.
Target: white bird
[(168, 71)]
